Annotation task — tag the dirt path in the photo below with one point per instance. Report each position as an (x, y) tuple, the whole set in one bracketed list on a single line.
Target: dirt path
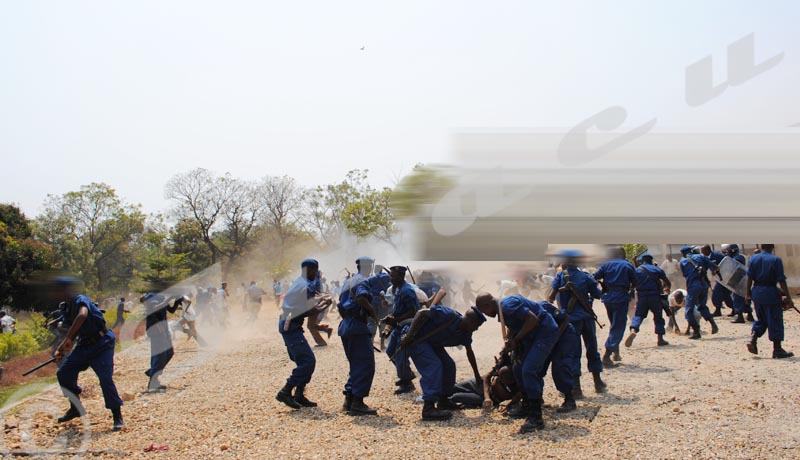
[(699, 399)]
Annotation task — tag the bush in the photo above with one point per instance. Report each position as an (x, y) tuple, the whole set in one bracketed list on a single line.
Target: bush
[(19, 344), (36, 328)]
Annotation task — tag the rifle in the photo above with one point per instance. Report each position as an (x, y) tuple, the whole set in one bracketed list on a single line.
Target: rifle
[(38, 366), (424, 338), (581, 299)]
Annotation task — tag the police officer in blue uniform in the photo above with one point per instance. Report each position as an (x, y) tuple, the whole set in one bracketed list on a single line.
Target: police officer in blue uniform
[(405, 306), (617, 276), (764, 273), (720, 294), (94, 348), (740, 306), (291, 330), (357, 308), (532, 335), (581, 320), (161, 351), (695, 269), (430, 332), (651, 283), (565, 358)]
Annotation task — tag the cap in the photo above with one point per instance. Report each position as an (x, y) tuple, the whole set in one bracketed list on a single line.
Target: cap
[(399, 269), (365, 259), (65, 281), (646, 255), (686, 249), (570, 253), (309, 262)]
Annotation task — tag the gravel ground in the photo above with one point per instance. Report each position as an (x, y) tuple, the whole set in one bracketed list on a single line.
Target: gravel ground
[(698, 399)]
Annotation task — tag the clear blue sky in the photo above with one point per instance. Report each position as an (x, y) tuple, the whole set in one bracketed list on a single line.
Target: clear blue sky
[(130, 93)]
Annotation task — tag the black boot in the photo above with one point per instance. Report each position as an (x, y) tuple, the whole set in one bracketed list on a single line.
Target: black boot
[(358, 407), (739, 319), (75, 410), (616, 356), (732, 313), (348, 401), (521, 410), (750, 318), (661, 342), (154, 384), (717, 312), (599, 385), (629, 340), (696, 334), (714, 327), (300, 397), (752, 346), (577, 392), (285, 396), (117, 415), (568, 405), (430, 412), (779, 353), (534, 421), (607, 360), (446, 404), (406, 386)]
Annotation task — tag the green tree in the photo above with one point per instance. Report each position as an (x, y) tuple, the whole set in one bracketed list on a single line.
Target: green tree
[(20, 258), (371, 215), (424, 185), (91, 231), (632, 251), (162, 266), (187, 238), (326, 205)]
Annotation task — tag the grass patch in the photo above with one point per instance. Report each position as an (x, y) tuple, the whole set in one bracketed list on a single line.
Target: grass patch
[(14, 393)]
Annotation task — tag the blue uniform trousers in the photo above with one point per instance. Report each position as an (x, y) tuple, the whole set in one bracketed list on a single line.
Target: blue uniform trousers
[(645, 305), (534, 357), (740, 306), (437, 370), (361, 356), (401, 362), (100, 357), (697, 297), (769, 317), (300, 353), (587, 329), (719, 295), (566, 361), (618, 315), (161, 351)]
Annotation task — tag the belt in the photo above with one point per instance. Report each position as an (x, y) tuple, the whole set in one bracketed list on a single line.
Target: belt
[(618, 288), (765, 284), (91, 340)]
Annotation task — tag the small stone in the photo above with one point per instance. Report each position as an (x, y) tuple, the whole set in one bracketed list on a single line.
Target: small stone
[(223, 447), (676, 409)]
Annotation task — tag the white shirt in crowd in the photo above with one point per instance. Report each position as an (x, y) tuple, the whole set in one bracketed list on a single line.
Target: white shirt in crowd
[(670, 267), (7, 323)]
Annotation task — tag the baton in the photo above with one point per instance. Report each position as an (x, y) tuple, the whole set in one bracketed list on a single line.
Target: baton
[(34, 369)]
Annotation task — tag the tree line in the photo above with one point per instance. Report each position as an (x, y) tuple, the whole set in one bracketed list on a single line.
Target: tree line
[(114, 246)]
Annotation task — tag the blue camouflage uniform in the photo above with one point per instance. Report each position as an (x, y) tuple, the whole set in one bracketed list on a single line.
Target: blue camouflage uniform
[(740, 306), (580, 319), (618, 275), (295, 340), (437, 369), (696, 287), (535, 348), (566, 354), (95, 349), (357, 336), (720, 294), (648, 299), (766, 271), (405, 303), (161, 351)]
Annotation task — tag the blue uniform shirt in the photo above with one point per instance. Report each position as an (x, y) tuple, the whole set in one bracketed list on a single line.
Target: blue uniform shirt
[(618, 275), (94, 324), (429, 287), (716, 257), (766, 270), (450, 336), (515, 313), (347, 298), (584, 283), (406, 302), (647, 276), (695, 278), (372, 288)]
